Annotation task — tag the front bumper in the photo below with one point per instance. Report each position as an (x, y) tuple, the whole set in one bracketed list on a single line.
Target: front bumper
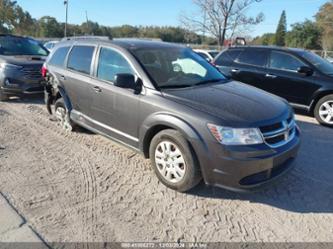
[(18, 82), (246, 168), (23, 89)]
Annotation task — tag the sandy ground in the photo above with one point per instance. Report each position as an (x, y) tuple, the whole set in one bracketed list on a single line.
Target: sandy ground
[(84, 187)]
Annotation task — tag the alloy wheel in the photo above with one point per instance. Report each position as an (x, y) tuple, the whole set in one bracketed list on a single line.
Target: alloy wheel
[(326, 112)]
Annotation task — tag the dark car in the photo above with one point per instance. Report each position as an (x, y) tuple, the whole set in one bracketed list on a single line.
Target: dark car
[(169, 103), (302, 77), (21, 60)]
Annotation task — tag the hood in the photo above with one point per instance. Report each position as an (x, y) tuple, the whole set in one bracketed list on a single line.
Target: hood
[(23, 60), (234, 103)]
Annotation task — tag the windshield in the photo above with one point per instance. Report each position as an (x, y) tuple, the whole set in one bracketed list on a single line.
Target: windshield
[(176, 67), (321, 64), (21, 46)]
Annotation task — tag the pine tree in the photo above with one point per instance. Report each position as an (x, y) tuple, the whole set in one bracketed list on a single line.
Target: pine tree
[(280, 35)]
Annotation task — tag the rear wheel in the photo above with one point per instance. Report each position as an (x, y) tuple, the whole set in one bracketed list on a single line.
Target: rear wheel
[(62, 115), (3, 97), (174, 161), (324, 111)]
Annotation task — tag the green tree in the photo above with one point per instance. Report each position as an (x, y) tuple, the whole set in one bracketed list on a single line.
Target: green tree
[(281, 31), (49, 27), (24, 24), (7, 15), (304, 35), (324, 19), (265, 39)]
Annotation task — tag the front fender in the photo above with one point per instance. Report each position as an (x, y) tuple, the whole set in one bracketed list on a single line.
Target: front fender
[(147, 132)]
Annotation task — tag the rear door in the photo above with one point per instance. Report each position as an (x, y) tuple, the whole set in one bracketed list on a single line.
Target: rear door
[(250, 67), (114, 109), (78, 76), (225, 61), (283, 79)]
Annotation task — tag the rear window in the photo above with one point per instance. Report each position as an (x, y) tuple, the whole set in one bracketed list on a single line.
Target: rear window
[(59, 56), (253, 57), (228, 56), (80, 59)]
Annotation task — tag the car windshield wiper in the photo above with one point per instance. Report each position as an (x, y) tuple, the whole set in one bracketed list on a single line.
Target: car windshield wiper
[(207, 82)]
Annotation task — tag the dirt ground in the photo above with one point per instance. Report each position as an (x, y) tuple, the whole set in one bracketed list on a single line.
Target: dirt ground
[(84, 187)]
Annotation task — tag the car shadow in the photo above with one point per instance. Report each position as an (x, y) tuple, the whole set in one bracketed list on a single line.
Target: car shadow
[(308, 188)]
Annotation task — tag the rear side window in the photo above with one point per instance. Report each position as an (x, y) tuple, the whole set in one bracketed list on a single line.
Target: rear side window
[(80, 59), (253, 57), (228, 56), (284, 61), (59, 56), (111, 63)]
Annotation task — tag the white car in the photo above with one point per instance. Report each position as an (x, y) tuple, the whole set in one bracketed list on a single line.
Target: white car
[(330, 59), (50, 45), (209, 55)]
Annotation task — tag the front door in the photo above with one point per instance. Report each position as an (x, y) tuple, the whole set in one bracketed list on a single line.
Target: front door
[(114, 110), (283, 79)]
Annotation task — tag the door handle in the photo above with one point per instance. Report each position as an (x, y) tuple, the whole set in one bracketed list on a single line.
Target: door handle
[(97, 89), (62, 77), (235, 70), (272, 76)]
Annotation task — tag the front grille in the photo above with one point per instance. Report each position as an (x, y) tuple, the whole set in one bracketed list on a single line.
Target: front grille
[(280, 133), (32, 72)]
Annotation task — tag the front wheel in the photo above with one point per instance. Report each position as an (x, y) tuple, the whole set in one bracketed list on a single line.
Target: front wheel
[(323, 111), (62, 115), (174, 161)]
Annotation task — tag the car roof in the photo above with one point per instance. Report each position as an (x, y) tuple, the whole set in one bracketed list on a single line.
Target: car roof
[(296, 50), (127, 43), (16, 36)]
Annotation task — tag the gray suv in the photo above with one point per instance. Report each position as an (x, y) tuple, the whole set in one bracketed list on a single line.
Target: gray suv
[(169, 103), (21, 60)]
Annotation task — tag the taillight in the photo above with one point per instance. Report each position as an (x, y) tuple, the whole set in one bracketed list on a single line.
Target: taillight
[(44, 71)]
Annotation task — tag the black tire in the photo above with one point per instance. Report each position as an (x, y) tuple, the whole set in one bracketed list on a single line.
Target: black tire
[(3, 97), (192, 175), (320, 107), (66, 123)]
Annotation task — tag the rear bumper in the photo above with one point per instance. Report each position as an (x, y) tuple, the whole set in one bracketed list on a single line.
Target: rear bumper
[(247, 168)]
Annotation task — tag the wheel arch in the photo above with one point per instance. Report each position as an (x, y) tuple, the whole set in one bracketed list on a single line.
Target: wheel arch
[(61, 93), (156, 123), (318, 97)]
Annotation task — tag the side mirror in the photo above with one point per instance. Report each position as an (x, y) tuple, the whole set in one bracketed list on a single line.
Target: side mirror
[(305, 70), (125, 81)]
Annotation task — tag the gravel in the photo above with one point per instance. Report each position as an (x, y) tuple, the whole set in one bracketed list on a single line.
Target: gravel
[(83, 187)]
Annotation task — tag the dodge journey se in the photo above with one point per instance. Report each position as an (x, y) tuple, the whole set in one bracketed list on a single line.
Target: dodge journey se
[(169, 103)]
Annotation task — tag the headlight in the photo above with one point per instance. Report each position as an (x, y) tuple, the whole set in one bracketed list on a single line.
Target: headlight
[(233, 136), (9, 66)]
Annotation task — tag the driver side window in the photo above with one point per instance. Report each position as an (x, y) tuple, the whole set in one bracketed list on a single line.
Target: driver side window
[(284, 61), (111, 63)]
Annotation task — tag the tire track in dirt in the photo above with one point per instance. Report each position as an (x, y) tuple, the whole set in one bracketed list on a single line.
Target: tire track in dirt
[(84, 187)]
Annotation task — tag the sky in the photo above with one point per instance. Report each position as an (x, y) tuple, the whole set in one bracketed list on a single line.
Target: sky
[(163, 12)]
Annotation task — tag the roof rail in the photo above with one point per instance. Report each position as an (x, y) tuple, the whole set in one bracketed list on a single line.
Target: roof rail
[(88, 37)]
